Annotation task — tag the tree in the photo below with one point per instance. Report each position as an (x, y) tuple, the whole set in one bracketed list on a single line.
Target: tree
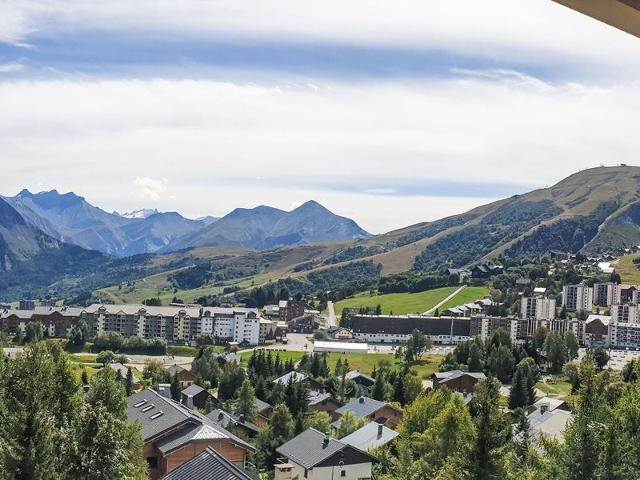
[(321, 421), (155, 373), (175, 388), (84, 377), (349, 423), (493, 429), (600, 357), (379, 390), (79, 334), (128, 382), (105, 357), (246, 404), (33, 332), (106, 390), (572, 345), (475, 358), (501, 363), (556, 349), (522, 392), (279, 430)]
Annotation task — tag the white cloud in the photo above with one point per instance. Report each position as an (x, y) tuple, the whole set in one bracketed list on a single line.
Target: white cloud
[(10, 67), (538, 31), (149, 188), (347, 145)]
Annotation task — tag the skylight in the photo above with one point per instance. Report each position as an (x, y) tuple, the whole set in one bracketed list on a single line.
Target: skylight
[(147, 408), (139, 404), (156, 415)]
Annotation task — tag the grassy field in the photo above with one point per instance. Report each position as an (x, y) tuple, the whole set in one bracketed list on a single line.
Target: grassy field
[(627, 270), (366, 362), (468, 295), (398, 303), (556, 388)]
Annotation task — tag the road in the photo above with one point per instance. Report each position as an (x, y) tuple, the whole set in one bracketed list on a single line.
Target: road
[(331, 318), (445, 300)]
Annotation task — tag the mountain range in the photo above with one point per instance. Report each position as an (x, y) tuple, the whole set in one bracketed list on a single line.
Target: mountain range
[(69, 218), (592, 211)]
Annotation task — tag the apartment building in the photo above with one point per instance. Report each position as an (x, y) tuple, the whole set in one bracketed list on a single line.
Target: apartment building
[(604, 294), (577, 297), (537, 308), (240, 325), (627, 313)]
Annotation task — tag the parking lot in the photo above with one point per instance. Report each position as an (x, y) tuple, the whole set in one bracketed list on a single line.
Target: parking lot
[(618, 358)]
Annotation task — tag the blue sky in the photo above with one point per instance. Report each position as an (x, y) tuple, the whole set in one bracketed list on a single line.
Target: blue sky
[(388, 112)]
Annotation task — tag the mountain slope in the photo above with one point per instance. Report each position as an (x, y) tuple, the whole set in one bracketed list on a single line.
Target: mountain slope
[(262, 228)]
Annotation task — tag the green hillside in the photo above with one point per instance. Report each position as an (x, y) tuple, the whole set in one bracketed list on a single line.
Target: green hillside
[(398, 303)]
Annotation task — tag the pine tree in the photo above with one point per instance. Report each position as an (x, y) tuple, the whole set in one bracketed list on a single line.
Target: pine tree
[(475, 359), (85, 377), (379, 390), (128, 384), (175, 387), (246, 404), (518, 397)]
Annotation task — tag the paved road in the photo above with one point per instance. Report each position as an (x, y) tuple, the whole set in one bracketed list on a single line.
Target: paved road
[(445, 300), (331, 319)]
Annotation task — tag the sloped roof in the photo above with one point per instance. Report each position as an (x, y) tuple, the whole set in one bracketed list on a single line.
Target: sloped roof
[(361, 407), (193, 390), (208, 465), (309, 448), (353, 374), (550, 424), (131, 309), (295, 376), (370, 436), (261, 406), (226, 419), (118, 367)]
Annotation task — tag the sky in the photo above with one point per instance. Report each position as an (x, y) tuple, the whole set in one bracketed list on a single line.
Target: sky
[(387, 112)]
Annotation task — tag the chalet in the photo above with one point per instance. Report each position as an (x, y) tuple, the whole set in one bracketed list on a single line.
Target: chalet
[(370, 436), (457, 380), (360, 378), (185, 377), (373, 411), (290, 309), (195, 396), (320, 401), (486, 270), (313, 454), (174, 434), (208, 465), (264, 412), (339, 333), (233, 422)]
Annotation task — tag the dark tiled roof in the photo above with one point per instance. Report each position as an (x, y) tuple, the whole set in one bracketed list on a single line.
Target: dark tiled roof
[(361, 407), (309, 448), (226, 420), (208, 465), (192, 390), (402, 325), (166, 415)]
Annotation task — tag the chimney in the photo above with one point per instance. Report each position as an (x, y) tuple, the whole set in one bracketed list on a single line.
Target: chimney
[(325, 441), (164, 389), (544, 407), (380, 430), (361, 400), (189, 403)]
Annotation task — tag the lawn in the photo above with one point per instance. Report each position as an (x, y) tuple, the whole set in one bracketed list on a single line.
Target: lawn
[(468, 295), (366, 362), (555, 388), (398, 303), (627, 270)]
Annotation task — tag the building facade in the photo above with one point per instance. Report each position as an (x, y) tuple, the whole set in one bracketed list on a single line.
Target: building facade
[(577, 297)]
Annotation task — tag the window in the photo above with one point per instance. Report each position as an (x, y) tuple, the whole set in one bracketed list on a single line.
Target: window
[(343, 473), (152, 462)]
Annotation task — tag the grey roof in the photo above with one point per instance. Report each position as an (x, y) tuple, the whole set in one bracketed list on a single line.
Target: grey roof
[(551, 403), (118, 367), (208, 465), (309, 448), (226, 419), (549, 424), (296, 376), (315, 397), (131, 309), (261, 406), (370, 436), (355, 374), (173, 415), (193, 390), (361, 407), (452, 374)]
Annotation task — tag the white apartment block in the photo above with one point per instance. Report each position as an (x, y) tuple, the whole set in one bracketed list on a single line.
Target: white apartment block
[(603, 294), (537, 308), (625, 313), (240, 325), (577, 297)]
